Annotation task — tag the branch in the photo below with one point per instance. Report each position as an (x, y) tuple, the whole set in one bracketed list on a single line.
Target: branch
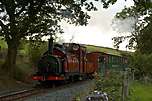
[(17, 14), (2, 24), (4, 27), (135, 1), (31, 31), (6, 31)]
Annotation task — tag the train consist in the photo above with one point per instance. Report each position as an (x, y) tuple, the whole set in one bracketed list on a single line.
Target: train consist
[(69, 61)]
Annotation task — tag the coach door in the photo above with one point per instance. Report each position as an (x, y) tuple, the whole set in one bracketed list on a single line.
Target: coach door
[(102, 65)]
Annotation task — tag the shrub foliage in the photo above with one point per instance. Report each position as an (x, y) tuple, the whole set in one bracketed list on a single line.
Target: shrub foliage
[(112, 85)]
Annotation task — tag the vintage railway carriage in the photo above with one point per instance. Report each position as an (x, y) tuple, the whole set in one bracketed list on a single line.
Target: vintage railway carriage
[(110, 59), (109, 62)]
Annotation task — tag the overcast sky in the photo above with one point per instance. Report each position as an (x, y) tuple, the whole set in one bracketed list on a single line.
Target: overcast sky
[(99, 30)]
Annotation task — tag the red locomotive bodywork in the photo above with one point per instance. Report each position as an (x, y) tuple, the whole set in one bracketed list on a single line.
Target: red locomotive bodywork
[(72, 64), (76, 62)]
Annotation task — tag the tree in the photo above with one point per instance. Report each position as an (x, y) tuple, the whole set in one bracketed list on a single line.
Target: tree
[(140, 38), (22, 18)]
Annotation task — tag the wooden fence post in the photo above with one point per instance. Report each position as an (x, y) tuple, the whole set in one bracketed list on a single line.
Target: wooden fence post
[(125, 86)]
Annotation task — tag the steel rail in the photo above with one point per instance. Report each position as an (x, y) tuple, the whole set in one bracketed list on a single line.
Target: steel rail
[(18, 95)]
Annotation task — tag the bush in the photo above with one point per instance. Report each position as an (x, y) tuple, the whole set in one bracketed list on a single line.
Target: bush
[(112, 85), (23, 72)]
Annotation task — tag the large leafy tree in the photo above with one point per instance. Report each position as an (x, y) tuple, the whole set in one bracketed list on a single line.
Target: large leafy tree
[(22, 18), (140, 38)]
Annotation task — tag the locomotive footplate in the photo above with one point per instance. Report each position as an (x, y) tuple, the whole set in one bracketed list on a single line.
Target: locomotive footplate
[(42, 78)]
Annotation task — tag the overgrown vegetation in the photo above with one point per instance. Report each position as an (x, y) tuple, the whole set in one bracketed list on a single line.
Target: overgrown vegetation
[(112, 85), (141, 65), (28, 55), (35, 50), (137, 90)]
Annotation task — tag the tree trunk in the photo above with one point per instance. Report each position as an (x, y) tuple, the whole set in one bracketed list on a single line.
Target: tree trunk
[(10, 60)]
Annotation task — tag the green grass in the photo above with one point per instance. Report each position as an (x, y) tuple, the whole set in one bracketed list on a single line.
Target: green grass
[(141, 92), (107, 50)]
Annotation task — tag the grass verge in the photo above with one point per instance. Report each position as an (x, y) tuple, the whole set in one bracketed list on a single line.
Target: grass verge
[(141, 92)]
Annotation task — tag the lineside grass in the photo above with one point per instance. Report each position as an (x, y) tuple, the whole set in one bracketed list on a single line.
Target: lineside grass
[(141, 92)]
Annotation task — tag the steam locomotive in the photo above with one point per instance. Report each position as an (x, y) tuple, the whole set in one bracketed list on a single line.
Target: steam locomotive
[(69, 61)]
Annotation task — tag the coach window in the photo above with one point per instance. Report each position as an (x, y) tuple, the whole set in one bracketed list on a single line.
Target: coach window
[(117, 59), (101, 59), (121, 59), (110, 59), (113, 61)]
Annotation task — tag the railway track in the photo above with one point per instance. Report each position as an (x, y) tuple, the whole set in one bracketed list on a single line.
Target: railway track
[(20, 95), (24, 94)]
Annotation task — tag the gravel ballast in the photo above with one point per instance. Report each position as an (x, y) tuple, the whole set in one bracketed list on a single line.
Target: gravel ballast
[(68, 93)]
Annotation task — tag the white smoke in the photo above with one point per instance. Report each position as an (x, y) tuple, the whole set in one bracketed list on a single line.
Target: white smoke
[(124, 25), (60, 40)]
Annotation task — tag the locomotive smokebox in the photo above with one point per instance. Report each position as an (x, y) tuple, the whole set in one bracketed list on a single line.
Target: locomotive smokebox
[(50, 45)]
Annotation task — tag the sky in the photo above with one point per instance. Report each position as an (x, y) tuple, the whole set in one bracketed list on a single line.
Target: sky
[(99, 31)]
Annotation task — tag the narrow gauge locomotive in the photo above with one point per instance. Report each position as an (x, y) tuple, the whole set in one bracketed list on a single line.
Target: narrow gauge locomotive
[(68, 61)]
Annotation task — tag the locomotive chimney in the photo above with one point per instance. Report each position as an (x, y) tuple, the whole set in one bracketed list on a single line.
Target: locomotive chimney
[(50, 45)]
